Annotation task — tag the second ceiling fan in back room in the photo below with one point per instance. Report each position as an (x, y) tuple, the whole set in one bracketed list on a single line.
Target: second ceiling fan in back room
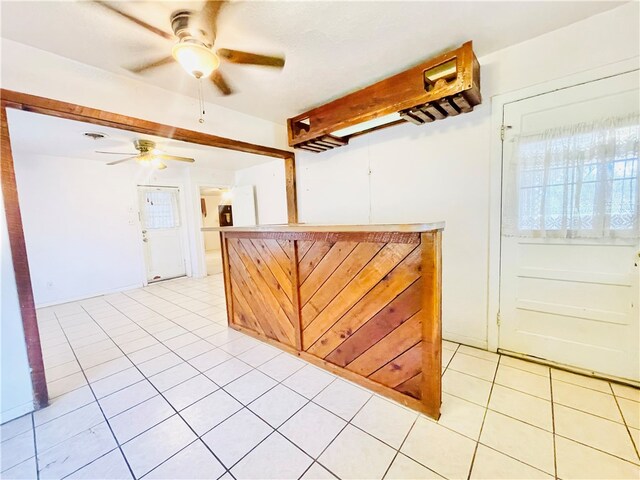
[(195, 37), (148, 154)]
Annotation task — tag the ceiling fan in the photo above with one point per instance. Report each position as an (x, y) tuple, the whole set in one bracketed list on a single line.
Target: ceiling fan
[(148, 154), (195, 35)]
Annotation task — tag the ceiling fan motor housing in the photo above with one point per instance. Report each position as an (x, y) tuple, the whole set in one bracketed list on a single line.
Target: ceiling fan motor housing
[(185, 26), (144, 146)]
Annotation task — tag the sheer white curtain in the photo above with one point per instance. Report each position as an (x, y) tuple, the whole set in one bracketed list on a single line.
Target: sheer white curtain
[(577, 181)]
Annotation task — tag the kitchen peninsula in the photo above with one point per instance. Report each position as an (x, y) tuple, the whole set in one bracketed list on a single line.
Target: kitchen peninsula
[(362, 301)]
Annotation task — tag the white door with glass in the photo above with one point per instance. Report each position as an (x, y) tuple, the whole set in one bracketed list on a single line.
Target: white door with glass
[(161, 232), (569, 284)]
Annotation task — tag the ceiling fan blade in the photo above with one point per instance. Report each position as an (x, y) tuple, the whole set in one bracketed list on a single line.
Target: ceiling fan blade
[(122, 160), (237, 56), (173, 158), (221, 83), (150, 65), (115, 153), (135, 20), (208, 16)]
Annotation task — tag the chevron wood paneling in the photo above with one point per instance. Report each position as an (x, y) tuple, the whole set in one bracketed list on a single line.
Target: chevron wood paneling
[(377, 297), (365, 306), (262, 289)]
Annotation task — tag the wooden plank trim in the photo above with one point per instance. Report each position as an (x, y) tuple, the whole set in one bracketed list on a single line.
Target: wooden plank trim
[(400, 339), (432, 323), (295, 283), (367, 279), (403, 274), (399, 92), (290, 185), (364, 237), (312, 258), (401, 368), (226, 276), (21, 267), (283, 275), (282, 293), (282, 326), (327, 267), (355, 262), (392, 316), (57, 108), (277, 252)]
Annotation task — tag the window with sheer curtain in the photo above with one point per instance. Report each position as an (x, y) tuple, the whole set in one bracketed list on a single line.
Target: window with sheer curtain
[(576, 181)]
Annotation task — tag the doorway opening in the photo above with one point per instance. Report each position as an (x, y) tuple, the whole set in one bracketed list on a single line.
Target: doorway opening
[(215, 211)]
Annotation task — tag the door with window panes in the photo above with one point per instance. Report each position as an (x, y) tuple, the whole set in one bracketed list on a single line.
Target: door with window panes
[(161, 232), (569, 286)]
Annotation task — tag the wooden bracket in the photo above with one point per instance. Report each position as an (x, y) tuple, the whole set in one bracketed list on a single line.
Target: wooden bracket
[(441, 87)]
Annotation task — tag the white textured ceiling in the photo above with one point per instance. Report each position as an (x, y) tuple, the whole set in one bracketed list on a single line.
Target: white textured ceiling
[(331, 47), (46, 135)]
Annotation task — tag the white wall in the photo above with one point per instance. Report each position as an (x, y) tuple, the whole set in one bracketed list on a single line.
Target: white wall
[(81, 223), (441, 171), (36, 72), (270, 190), (16, 393), (80, 226)]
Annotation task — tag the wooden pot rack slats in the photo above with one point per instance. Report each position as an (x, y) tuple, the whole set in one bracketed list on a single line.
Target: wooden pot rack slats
[(444, 86), (362, 304)]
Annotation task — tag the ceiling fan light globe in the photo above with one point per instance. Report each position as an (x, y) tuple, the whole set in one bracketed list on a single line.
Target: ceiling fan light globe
[(144, 159), (197, 60), (157, 163)]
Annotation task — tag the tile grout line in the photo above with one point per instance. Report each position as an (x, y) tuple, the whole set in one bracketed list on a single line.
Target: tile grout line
[(484, 418), (101, 411), (386, 472), (553, 427), (626, 425), (160, 393), (227, 470), (35, 446), (253, 368), (347, 423)]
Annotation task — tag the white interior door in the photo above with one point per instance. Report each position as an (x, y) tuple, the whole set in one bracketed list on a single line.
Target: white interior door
[(572, 301), (243, 205), (161, 232)]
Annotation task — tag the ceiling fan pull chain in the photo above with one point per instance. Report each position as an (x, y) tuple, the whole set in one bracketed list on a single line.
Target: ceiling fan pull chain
[(201, 100)]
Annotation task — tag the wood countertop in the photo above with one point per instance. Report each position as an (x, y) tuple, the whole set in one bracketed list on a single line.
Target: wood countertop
[(309, 227)]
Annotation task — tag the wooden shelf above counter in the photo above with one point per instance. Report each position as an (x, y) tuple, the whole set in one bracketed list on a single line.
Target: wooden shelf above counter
[(363, 302), (440, 87)]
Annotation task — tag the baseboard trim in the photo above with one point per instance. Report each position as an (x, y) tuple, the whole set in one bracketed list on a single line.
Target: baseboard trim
[(464, 340), (88, 295), (16, 412)]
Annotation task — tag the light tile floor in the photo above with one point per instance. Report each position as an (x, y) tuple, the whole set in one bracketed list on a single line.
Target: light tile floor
[(151, 383)]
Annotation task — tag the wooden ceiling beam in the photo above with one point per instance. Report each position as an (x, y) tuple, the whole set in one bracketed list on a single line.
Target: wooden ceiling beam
[(57, 108), (443, 86)]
